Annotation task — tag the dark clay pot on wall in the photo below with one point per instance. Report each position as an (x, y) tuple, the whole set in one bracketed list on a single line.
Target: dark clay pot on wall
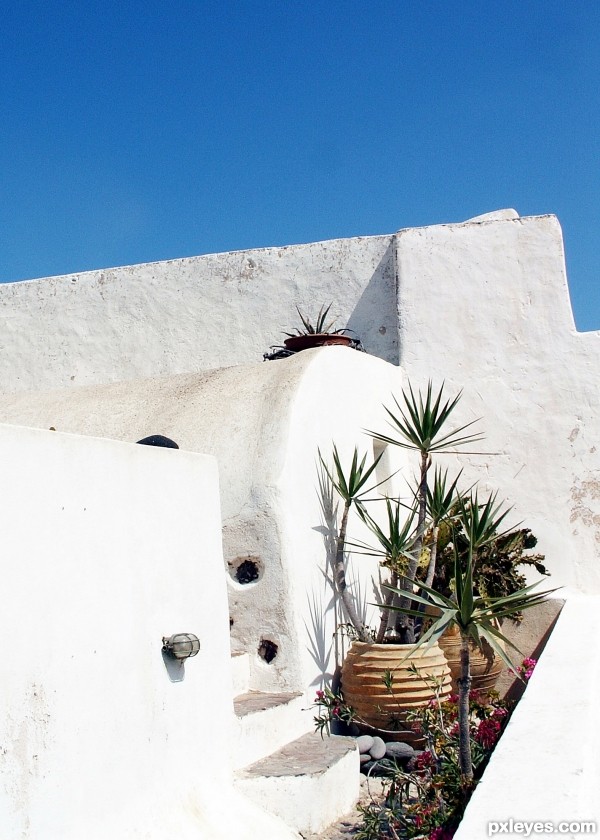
[(305, 342)]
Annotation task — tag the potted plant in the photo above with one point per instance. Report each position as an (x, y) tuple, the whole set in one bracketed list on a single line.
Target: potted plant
[(496, 573), (475, 617), (318, 334), (380, 678), (388, 671)]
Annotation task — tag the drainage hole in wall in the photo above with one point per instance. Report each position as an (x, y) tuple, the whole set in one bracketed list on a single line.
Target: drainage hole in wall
[(267, 650), (230, 622), (247, 572), (245, 569)]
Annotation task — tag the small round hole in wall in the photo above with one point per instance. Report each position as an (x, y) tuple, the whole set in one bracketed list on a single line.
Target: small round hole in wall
[(247, 572), (267, 650), (246, 569)]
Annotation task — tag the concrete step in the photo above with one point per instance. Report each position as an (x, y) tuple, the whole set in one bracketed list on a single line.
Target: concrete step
[(265, 722), (240, 673), (309, 783)]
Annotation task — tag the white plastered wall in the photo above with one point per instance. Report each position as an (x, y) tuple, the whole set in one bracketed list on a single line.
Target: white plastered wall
[(265, 424), (192, 314), (107, 547), (484, 306)]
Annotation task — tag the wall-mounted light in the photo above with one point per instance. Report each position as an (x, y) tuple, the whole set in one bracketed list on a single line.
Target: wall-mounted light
[(181, 645)]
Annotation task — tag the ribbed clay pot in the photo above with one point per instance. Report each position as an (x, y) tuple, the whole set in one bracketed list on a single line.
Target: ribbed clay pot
[(377, 708), (485, 665)]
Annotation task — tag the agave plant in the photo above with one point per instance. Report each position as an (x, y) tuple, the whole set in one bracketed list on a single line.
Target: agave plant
[(420, 423), (320, 327), (475, 617)]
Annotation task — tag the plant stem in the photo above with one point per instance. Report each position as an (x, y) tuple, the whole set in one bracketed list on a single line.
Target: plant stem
[(406, 624), (433, 556), (340, 578), (464, 735), (386, 612)]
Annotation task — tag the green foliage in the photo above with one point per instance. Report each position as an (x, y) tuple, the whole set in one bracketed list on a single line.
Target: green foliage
[(420, 423), (331, 709), (396, 538), (320, 327), (353, 485), (496, 566), (428, 798)]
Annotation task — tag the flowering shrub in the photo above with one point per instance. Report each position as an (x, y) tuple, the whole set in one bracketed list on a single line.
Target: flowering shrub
[(428, 801), (331, 708), (526, 669)]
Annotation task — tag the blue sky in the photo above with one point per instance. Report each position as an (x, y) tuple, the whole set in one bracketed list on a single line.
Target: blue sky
[(134, 132)]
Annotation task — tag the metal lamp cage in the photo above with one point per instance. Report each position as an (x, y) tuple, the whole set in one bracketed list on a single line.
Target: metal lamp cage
[(181, 645)]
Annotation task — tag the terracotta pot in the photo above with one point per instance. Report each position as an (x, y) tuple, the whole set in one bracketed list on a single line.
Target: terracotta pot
[(379, 709), (486, 666), (305, 342)]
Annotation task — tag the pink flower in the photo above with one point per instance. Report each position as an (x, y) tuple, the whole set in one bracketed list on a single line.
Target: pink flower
[(424, 760), (488, 732), (441, 833)]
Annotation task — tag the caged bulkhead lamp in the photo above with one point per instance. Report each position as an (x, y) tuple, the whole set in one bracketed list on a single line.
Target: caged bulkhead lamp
[(181, 645)]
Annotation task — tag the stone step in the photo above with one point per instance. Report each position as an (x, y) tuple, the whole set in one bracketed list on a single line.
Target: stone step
[(240, 673), (265, 722), (308, 783)]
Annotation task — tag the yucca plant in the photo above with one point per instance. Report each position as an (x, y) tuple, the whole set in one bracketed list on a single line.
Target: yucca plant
[(352, 488), (420, 424), (475, 617), (441, 499), (396, 541)]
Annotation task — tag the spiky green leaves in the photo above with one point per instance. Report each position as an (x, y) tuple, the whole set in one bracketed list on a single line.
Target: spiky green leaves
[(353, 485), (474, 615), (320, 327), (421, 420)]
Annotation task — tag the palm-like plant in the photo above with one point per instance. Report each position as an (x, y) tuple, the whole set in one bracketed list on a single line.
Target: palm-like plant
[(396, 542), (440, 502), (351, 488), (420, 423), (475, 617)]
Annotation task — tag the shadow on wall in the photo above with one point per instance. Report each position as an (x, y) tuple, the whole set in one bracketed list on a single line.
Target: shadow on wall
[(374, 319)]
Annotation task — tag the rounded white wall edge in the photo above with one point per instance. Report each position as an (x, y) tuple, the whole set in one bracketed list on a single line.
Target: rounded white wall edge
[(496, 216)]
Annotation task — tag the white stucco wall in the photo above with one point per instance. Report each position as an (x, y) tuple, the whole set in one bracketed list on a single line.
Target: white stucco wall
[(485, 307), (107, 547), (264, 423), (192, 314)]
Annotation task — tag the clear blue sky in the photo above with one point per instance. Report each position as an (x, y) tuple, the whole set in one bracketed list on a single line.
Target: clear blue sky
[(140, 131)]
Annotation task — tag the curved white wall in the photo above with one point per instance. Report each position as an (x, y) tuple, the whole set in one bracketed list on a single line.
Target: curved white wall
[(264, 423)]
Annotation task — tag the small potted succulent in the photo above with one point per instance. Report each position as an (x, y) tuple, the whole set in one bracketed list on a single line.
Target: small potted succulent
[(318, 334)]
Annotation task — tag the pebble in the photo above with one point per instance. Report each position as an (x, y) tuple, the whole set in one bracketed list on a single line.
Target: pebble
[(399, 750), (377, 748), (364, 743)]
